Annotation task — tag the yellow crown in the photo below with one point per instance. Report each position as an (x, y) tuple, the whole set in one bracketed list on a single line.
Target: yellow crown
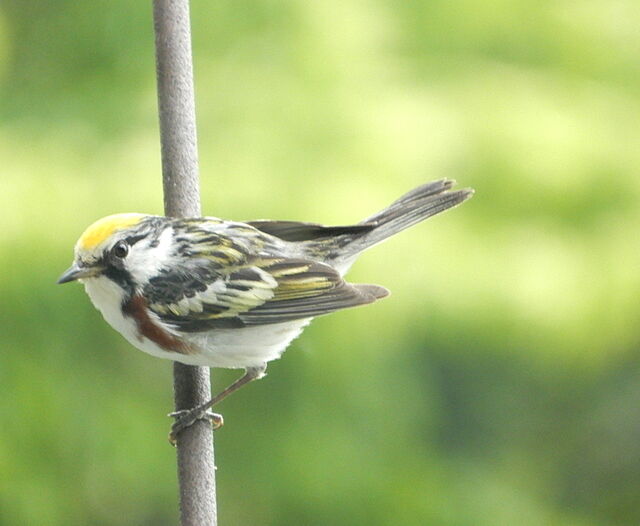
[(104, 228)]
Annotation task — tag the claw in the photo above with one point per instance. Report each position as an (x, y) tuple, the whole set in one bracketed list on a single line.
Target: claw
[(187, 417)]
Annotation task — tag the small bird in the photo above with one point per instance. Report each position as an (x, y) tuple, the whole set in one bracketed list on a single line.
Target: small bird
[(210, 292)]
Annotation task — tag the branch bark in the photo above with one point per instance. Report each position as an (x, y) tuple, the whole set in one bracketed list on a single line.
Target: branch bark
[(176, 104)]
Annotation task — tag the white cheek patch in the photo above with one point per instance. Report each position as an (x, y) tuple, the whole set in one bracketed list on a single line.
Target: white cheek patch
[(145, 261)]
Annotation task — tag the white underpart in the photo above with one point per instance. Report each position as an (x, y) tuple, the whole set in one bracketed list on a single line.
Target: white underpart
[(246, 347), (228, 348)]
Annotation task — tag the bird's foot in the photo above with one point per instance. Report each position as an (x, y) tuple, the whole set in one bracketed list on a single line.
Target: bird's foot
[(187, 417)]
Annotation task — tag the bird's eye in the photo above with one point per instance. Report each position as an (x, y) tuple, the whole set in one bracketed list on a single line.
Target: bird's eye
[(120, 250)]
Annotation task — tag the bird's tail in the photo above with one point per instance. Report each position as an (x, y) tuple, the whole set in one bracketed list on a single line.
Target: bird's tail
[(417, 205)]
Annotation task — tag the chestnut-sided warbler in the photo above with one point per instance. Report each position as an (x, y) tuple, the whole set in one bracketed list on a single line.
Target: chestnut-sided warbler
[(205, 291)]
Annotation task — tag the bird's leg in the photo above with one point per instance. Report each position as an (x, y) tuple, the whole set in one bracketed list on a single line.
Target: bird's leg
[(187, 417)]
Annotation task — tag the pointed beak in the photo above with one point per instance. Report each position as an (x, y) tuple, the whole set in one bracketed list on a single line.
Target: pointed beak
[(76, 272)]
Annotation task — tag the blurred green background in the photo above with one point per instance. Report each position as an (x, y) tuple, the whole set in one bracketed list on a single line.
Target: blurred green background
[(498, 385)]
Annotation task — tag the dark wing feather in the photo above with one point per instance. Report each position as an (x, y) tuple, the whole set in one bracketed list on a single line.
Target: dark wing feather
[(310, 292), (265, 291), (295, 231), (342, 296)]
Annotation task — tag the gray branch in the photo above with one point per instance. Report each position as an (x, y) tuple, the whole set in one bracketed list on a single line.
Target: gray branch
[(176, 103)]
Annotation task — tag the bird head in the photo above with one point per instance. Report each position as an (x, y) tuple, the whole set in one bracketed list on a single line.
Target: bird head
[(117, 246)]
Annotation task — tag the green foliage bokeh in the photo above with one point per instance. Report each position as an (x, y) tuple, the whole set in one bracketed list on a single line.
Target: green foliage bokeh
[(498, 385)]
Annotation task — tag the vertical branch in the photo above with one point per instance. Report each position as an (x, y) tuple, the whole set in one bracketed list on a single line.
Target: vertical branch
[(176, 104)]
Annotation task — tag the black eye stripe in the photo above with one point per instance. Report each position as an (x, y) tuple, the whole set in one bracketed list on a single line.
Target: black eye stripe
[(132, 240)]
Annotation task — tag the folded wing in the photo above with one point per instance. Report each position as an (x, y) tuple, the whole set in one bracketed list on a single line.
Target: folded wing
[(259, 291)]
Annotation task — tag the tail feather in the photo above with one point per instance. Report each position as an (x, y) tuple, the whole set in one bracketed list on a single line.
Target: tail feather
[(373, 292), (407, 200), (415, 206)]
